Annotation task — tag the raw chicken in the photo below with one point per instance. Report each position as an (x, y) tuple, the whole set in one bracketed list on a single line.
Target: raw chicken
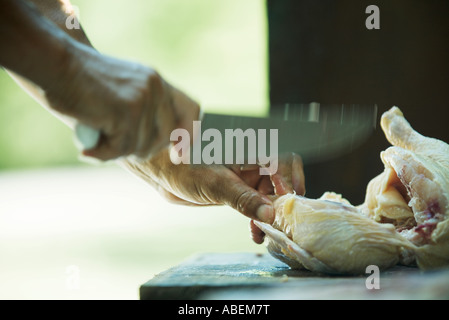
[(403, 219)]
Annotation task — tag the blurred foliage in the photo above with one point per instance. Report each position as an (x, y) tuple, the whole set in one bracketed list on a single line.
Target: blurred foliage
[(29, 135), (213, 50)]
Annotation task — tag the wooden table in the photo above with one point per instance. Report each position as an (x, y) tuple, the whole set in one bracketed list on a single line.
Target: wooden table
[(251, 276)]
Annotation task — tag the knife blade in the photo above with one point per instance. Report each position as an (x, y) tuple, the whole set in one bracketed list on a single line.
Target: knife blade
[(316, 132)]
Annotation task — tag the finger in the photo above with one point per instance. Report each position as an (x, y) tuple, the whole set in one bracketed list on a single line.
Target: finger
[(265, 186), (285, 169), (103, 152), (251, 178), (282, 178), (158, 122), (250, 174), (281, 184), (290, 175), (246, 200), (298, 178), (256, 234), (113, 146)]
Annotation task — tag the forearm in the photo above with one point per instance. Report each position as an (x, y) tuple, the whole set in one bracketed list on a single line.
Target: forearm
[(27, 37), (132, 106), (56, 11)]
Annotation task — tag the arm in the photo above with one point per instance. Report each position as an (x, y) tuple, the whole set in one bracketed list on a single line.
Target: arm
[(133, 107), (27, 37), (244, 190), (57, 12)]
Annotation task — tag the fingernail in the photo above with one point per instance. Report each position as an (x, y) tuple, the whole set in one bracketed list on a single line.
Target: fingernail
[(265, 213), (296, 179)]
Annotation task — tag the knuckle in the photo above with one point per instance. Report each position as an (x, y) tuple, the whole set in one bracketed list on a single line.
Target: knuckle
[(242, 202), (154, 81)]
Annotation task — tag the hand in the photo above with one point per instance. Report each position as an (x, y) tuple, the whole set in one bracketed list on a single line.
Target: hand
[(130, 104), (115, 84), (288, 179), (242, 188)]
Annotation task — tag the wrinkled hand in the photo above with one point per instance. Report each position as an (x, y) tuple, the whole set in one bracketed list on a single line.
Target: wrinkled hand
[(130, 104), (242, 188), (121, 97)]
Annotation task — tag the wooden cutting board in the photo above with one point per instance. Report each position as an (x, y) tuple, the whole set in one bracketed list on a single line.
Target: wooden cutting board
[(251, 276)]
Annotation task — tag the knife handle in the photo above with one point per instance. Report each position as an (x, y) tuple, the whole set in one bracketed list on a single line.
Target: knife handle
[(86, 136)]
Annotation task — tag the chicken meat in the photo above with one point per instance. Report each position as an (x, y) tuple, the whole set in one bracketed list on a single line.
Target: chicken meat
[(403, 220)]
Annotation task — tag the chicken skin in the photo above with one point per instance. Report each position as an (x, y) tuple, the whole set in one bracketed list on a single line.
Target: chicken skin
[(403, 219)]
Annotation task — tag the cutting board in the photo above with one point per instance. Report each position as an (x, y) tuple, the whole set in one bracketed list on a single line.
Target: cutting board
[(252, 276)]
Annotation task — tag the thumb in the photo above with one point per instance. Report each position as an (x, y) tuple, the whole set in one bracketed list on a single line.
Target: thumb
[(247, 201)]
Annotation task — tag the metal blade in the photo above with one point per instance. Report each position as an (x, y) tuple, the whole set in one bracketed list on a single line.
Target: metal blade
[(315, 132)]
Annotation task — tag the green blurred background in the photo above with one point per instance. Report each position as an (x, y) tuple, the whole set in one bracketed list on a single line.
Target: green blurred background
[(57, 212), (213, 50)]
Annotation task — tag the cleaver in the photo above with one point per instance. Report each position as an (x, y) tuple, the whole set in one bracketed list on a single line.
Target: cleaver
[(316, 132)]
